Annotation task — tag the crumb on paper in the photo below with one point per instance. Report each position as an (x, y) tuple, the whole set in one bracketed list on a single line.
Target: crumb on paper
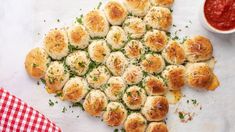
[(187, 109)]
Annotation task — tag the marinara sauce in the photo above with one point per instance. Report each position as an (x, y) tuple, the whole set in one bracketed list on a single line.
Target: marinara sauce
[(220, 13)]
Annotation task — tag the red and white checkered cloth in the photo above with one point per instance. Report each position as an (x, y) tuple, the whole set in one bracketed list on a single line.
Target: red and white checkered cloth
[(17, 116)]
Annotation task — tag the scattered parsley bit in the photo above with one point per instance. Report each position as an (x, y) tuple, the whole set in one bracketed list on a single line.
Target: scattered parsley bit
[(77, 116), (64, 110), (35, 65), (71, 48), (99, 5), (48, 64), (51, 103), (115, 130), (92, 65), (145, 73), (58, 20), (175, 38), (58, 94), (194, 101), (43, 81), (187, 101), (95, 78), (81, 64), (168, 34), (186, 26), (174, 25), (184, 39), (38, 83), (171, 10), (181, 115), (56, 102), (122, 130), (79, 19), (78, 104)]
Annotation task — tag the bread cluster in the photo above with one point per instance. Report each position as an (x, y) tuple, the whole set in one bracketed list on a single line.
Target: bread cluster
[(119, 63)]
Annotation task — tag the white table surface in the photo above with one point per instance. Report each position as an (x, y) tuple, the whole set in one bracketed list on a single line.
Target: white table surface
[(22, 27)]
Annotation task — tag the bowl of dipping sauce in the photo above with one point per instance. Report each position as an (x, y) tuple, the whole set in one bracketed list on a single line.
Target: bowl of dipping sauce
[(219, 16)]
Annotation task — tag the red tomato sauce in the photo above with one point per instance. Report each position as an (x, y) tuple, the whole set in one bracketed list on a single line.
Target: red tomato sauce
[(220, 14)]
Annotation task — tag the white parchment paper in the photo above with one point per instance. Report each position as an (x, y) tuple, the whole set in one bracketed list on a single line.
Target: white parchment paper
[(23, 24)]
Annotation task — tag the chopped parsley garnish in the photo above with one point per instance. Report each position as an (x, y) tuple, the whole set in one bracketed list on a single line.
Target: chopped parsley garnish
[(168, 34), (58, 95), (175, 38), (38, 83), (174, 25), (181, 115), (122, 130), (43, 81), (194, 101), (71, 48), (171, 10), (64, 110), (99, 5), (186, 26), (115, 130), (79, 19), (51, 103), (92, 65), (81, 64), (95, 78), (145, 73), (35, 65), (58, 20), (78, 104)]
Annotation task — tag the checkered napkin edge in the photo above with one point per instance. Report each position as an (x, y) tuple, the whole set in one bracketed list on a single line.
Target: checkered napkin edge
[(17, 116)]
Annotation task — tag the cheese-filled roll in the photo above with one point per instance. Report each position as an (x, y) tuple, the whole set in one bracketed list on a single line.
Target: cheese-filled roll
[(133, 74), (36, 63), (115, 114), (157, 127), (155, 40), (117, 63), (75, 89), (134, 27), (95, 103), (56, 43), (199, 75), (98, 77), (135, 122), (175, 76), (96, 23), (98, 51), (78, 36), (162, 3), (155, 108), (116, 38), (153, 63), (134, 49), (56, 76), (198, 48), (115, 88), (174, 53), (154, 85), (115, 12), (137, 7), (134, 97), (78, 62), (159, 18)]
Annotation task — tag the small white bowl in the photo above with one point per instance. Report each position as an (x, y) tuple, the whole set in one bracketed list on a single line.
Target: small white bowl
[(208, 26)]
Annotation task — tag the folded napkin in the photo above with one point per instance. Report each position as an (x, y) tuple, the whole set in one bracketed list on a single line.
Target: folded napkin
[(17, 116)]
